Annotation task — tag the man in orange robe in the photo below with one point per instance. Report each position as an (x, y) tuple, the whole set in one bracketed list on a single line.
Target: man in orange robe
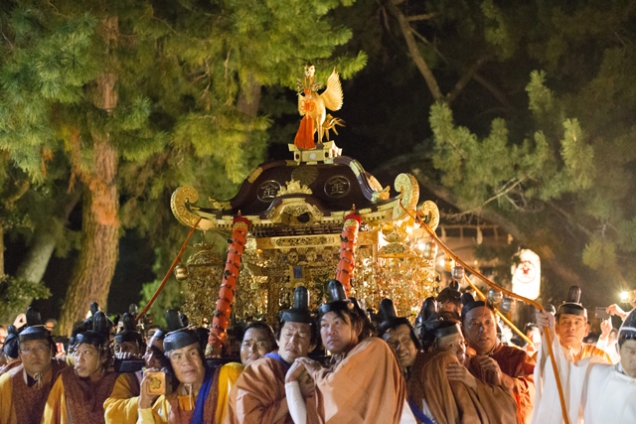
[(259, 394), (364, 383), (491, 360), (440, 387)]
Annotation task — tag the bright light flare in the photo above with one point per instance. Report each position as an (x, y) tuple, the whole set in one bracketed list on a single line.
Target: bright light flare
[(625, 296)]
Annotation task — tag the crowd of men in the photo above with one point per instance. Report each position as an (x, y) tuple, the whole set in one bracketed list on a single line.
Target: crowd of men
[(336, 364)]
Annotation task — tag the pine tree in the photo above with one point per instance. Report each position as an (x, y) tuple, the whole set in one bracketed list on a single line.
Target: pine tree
[(143, 97), (551, 164)]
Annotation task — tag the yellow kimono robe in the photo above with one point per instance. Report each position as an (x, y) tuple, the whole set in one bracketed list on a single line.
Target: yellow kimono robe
[(22, 404), (160, 411), (121, 406), (7, 413)]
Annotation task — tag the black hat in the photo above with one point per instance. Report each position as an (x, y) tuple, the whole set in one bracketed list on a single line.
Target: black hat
[(339, 301), (96, 332), (389, 317), (11, 342), (178, 334), (572, 305), (94, 308), (34, 330), (627, 331), (429, 308), (129, 333), (469, 306), (450, 293), (300, 311), (444, 328), (435, 326)]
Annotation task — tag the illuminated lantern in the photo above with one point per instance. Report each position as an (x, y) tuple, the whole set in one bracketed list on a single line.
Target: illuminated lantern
[(526, 277)]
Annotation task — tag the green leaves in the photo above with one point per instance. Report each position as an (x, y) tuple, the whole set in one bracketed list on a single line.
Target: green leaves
[(17, 294)]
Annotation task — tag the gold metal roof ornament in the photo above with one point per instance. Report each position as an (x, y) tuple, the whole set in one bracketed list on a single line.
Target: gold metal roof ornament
[(297, 208), (313, 108)]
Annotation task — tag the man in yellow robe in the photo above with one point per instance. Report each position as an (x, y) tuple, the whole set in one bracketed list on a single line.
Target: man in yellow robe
[(201, 393), (79, 393), (24, 389), (121, 405)]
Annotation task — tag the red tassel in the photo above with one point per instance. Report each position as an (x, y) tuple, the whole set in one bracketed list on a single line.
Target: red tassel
[(223, 310), (305, 135), (348, 241)]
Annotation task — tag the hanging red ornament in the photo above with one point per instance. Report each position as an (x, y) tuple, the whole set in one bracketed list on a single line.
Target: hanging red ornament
[(348, 240), (221, 319)]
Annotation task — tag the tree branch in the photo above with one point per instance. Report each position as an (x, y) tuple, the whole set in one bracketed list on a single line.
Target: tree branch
[(463, 81), (422, 17), (421, 64), (494, 90)]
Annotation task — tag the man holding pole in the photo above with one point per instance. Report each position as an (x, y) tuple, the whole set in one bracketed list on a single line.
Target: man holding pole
[(490, 360)]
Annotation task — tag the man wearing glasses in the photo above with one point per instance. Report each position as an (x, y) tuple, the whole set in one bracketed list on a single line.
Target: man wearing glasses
[(25, 389)]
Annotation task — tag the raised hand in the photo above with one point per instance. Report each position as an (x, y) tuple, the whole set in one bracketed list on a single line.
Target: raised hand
[(490, 367), (616, 310), (310, 365), (294, 372), (458, 372), (307, 384), (606, 327), (544, 319), (146, 400)]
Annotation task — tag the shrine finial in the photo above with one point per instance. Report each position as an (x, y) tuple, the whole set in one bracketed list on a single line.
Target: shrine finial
[(313, 107)]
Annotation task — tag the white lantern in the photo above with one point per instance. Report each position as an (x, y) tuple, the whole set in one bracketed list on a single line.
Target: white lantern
[(526, 276)]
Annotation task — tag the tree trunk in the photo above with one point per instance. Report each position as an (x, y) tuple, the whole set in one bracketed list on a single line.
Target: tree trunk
[(95, 266), (249, 98), (100, 240), (34, 265)]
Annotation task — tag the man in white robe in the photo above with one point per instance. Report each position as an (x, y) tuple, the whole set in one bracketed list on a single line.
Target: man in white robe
[(595, 393)]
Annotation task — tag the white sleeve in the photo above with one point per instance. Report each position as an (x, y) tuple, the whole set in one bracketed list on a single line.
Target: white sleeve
[(296, 403)]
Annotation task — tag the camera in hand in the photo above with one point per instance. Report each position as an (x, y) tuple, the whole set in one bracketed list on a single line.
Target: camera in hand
[(156, 382), (601, 312)]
